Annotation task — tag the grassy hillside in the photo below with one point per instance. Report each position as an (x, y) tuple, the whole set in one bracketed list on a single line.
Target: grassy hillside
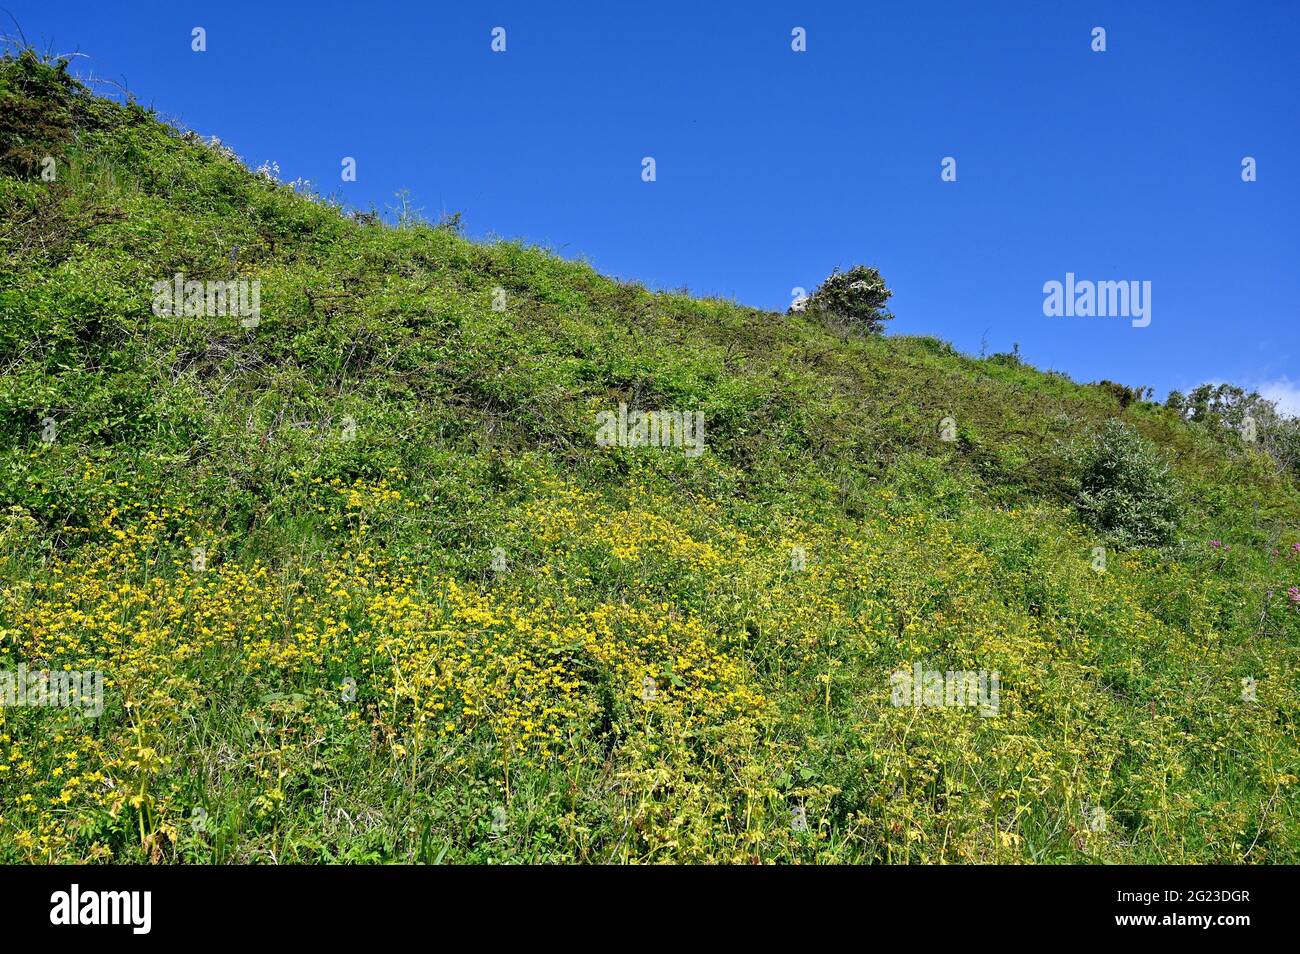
[(364, 586)]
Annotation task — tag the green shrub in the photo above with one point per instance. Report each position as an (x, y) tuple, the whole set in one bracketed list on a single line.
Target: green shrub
[(1124, 394), (1125, 490), (35, 116), (1235, 417), (857, 297)]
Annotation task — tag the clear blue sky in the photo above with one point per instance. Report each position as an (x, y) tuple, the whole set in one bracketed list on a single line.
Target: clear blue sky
[(775, 166)]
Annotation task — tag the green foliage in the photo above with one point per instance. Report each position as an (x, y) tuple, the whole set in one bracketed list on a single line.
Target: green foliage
[(1125, 489), (35, 112), (1124, 394), (1240, 420), (856, 298), (369, 556)]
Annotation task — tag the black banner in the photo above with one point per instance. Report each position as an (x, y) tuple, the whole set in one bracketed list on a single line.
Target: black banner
[(138, 904)]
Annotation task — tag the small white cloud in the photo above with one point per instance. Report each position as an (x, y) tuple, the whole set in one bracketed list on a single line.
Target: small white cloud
[(1283, 392)]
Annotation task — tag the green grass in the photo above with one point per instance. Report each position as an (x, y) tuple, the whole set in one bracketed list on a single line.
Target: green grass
[(348, 679)]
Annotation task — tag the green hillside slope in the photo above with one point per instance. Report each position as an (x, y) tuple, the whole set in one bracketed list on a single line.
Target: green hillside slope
[(364, 585)]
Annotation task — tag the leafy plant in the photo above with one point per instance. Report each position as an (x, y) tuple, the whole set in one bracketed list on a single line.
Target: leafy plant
[(1125, 489), (293, 612), (856, 297)]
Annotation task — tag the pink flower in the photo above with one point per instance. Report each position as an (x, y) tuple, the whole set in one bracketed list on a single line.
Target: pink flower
[(1293, 595)]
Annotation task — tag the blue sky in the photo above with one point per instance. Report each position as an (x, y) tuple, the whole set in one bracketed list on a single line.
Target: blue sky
[(775, 166)]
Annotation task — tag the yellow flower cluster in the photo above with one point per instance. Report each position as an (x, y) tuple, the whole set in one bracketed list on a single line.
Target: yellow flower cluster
[(707, 693)]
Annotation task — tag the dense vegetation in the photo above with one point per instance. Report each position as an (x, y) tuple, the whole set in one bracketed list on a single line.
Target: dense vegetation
[(365, 587), (855, 299)]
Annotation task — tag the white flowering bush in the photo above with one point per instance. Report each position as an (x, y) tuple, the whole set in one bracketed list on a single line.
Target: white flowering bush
[(856, 297)]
